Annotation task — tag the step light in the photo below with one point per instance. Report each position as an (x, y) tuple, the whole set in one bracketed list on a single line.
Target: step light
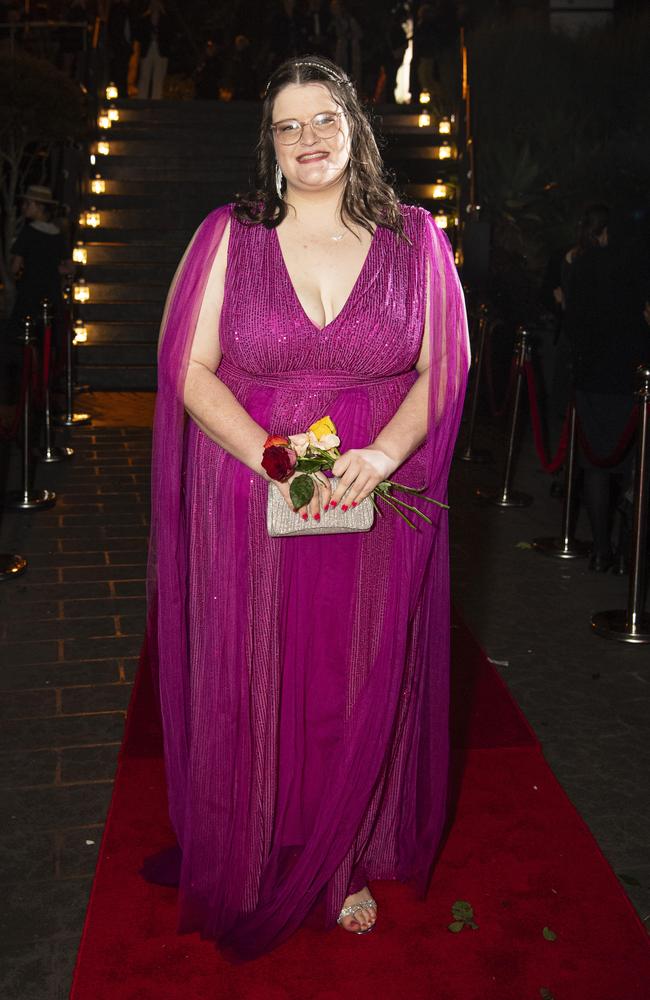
[(424, 119), (440, 190), (81, 291), (441, 220), (80, 332), (98, 185), (91, 218), (103, 121), (113, 114), (444, 126), (103, 148), (425, 97), (445, 151), (111, 92), (80, 254)]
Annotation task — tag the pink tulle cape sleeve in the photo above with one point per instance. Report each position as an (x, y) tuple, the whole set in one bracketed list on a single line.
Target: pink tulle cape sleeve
[(166, 638)]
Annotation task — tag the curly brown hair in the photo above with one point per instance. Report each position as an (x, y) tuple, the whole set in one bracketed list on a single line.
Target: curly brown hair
[(368, 197)]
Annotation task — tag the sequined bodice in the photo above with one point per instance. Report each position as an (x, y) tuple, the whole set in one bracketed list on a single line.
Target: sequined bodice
[(378, 333)]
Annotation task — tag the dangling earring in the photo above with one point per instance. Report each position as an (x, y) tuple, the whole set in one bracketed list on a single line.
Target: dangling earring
[(278, 180)]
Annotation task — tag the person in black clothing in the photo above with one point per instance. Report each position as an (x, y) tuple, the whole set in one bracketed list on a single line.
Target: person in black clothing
[(39, 256), (154, 32), (120, 37), (314, 23), (207, 75), (609, 338)]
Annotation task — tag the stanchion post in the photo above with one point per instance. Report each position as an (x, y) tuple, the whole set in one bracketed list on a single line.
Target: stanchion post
[(470, 453), (566, 547), (26, 498), (633, 624), (50, 452), (506, 496), (70, 418)]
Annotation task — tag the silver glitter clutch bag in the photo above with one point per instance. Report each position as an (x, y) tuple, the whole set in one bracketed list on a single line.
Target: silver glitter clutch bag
[(281, 520)]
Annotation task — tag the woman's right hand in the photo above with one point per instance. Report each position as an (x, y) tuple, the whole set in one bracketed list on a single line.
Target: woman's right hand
[(319, 501)]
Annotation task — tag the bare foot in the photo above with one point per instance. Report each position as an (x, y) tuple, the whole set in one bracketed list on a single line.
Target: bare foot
[(364, 917)]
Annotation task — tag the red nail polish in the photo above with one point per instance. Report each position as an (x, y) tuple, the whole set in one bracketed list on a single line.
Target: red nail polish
[(305, 517), (333, 503), (354, 503), (326, 506), (316, 517), (344, 506)]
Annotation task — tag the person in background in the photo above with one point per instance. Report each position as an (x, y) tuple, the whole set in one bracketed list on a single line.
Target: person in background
[(605, 321), (347, 45), (120, 37), (207, 75), (39, 256), (240, 75), (154, 33), (314, 21)]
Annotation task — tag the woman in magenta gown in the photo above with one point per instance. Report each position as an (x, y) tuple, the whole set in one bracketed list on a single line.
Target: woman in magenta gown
[(304, 681)]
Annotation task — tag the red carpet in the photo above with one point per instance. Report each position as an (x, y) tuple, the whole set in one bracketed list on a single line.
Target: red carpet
[(517, 851)]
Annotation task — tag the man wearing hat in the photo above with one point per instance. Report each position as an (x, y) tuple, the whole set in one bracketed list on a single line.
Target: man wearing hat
[(39, 256)]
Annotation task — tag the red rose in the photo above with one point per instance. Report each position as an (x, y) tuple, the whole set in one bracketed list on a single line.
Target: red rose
[(278, 462)]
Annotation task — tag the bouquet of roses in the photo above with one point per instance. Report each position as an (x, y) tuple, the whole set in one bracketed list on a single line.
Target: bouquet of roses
[(316, 451)]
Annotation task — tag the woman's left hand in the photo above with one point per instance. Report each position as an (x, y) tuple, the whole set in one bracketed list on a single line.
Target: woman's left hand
[(359, 470)]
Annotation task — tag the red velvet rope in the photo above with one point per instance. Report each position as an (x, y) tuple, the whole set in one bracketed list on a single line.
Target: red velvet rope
[(557, 462), (550, 465), (498, 411), (10, 431), (621, 448)]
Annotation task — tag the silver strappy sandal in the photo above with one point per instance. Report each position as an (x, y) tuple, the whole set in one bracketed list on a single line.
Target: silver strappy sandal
[(349, 911)]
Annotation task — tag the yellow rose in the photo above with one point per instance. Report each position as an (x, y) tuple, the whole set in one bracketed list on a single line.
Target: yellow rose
[(323, 427)]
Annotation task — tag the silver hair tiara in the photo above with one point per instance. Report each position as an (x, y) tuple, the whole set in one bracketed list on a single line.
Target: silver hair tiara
[(324, 69)]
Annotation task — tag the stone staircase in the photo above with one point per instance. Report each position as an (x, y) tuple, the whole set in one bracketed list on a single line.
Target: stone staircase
[(170, 163)]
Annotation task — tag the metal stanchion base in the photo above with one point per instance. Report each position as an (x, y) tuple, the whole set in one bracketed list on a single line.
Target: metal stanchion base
[(71, 420), (512, 499), (11, 565), (558, 548), (615, 625), (477, 455), (54, 454), (32, 500)]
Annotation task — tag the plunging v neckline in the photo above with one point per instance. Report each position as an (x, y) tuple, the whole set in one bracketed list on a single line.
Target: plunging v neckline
[(352, 291)]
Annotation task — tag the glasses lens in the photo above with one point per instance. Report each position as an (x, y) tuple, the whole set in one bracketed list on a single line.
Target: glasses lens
[(325, 126), (288, 132)]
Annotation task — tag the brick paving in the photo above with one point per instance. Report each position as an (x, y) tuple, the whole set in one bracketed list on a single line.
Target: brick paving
[(72, 627)]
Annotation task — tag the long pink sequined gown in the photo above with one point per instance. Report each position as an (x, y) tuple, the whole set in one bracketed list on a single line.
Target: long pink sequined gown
[(304, 681)]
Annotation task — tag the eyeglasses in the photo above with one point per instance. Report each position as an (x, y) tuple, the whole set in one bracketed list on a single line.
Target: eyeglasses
[(324, 125)]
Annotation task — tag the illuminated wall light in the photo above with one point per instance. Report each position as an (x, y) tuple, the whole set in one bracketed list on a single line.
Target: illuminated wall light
[(97, 185), (425, 97), (103, 148), (444, 126), (424, 119), (80, 332), (81, 292), (103, 121), (80, 254), (444, 151), (111, 92), (439, 190), (113, 114), (441, 220)]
